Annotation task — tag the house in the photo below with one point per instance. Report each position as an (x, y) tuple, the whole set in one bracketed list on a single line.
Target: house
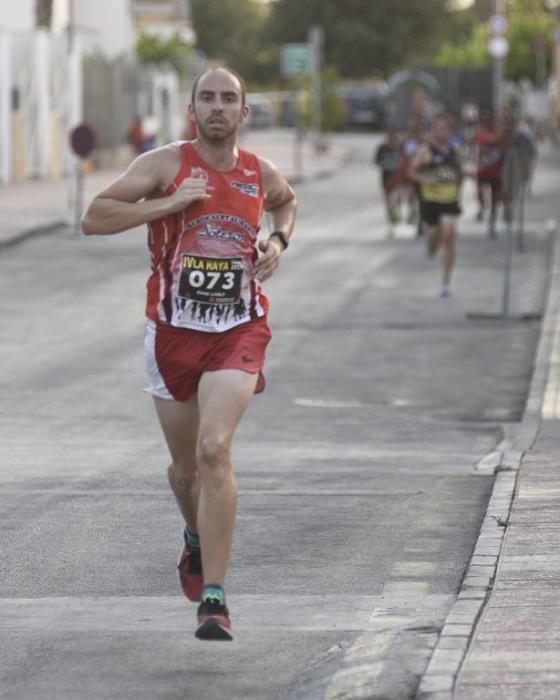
[(46, 95)]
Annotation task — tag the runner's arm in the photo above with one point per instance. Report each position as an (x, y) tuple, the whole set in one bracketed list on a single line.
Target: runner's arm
[(119, 206), (461, 154), (280, 202), (420, 158)]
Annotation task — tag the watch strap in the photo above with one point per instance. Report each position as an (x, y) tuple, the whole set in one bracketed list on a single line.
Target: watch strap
[(283, 238)]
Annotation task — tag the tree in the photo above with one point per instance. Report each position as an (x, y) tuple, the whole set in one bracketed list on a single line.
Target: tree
[(528, 25), (175, 51), (364, 38), (43, 13), (232, 31)]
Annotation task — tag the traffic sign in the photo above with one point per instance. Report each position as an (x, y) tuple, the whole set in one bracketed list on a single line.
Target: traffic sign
[(498, 46), (82, 140), (498, 25), (296, 60)]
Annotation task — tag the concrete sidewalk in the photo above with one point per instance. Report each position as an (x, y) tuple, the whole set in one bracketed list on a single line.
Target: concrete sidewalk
[(501, 640), (39, 206), (515, 651)]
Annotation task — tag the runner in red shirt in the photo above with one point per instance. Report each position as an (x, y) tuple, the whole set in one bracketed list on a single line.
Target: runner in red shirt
[(489, 168), (207, 328)]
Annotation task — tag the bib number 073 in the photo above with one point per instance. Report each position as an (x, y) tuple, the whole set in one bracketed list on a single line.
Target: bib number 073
[(211, 280)]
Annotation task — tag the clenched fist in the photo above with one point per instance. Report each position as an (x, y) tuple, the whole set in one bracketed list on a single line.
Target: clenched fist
[(269, 260), (192, 189)]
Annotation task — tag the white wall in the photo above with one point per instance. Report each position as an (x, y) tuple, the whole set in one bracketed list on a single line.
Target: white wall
[(106, 26), (17, 16)]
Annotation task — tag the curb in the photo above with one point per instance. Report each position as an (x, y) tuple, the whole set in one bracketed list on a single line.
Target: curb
[(439, 679), (33, 232)]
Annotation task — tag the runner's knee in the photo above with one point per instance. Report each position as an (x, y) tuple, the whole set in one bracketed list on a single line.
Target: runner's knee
[(213, 452)]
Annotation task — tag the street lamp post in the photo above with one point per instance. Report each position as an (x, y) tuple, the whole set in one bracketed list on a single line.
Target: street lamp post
[(554, 7)]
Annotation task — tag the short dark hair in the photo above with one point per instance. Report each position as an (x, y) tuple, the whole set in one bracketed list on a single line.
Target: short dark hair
[(231, 71)]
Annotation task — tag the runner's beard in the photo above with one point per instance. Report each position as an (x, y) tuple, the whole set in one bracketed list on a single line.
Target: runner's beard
[(220, 136)]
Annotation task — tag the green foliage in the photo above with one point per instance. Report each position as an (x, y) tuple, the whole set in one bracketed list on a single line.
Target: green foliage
[(472, 51), (527, 21), (333, 114), (364, 38), (174, 51), (232, 31)]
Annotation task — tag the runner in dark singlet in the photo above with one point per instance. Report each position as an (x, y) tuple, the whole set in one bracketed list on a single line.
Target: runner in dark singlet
[(437, 170), (389, 158)]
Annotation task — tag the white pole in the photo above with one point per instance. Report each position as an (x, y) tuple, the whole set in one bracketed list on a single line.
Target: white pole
[(76, 92), (74, 109), (43, 127), (5, 109), (316, 41)]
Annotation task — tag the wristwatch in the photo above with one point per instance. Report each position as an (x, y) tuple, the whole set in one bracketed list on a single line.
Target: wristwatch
[(283, 238)]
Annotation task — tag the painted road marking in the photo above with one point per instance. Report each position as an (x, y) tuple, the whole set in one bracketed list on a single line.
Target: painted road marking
[(137, 614)]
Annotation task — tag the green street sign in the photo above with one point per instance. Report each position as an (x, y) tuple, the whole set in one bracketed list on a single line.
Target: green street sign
[(296, 59)]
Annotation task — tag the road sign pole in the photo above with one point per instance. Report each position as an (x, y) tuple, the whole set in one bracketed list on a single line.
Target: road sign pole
[(497, 82), (82, 142), (507, 266), (521, 216), (512, 174), (78, 195), (296, 61), (498, 47), (316, 41), (298, 137)]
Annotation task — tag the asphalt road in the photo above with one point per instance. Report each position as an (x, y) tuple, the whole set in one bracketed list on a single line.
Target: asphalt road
[(358, 508)]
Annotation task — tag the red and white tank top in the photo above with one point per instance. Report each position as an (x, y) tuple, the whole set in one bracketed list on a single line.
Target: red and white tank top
[(203, 257)]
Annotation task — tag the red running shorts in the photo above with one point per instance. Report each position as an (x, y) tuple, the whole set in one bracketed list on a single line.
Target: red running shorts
[(176, 358)]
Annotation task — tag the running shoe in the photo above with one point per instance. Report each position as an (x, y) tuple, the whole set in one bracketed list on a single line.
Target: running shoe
[(444, 290), (213, 622), (189, 572)]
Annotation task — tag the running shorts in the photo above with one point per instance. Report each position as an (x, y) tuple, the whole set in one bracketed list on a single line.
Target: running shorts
[(495, 183), (176, 358), (431, 212)]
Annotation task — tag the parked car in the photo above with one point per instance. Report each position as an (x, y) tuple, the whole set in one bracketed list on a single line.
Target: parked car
[(261, 112), (364, 102)]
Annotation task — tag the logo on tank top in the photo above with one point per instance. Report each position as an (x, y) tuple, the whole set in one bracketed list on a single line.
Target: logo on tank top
[(249, 188), (199, 172), (213, 231)]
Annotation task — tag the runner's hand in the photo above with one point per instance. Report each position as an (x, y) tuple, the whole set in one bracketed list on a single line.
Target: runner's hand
[(269, 260), (192, 189)]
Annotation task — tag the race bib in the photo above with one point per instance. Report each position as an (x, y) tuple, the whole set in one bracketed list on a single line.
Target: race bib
[(211, 280)]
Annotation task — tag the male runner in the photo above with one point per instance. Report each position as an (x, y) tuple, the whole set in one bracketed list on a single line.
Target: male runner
[(436, 167), (207, 328), (389, 158), (418, 134), (489, 168)]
